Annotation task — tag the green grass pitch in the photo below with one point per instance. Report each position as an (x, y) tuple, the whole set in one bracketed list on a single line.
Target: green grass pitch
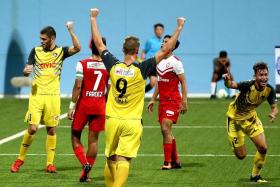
[(201, 136)]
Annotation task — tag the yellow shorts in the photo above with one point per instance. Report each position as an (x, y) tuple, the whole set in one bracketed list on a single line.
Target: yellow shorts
[(238, 128), (43, 109), (123, 137)]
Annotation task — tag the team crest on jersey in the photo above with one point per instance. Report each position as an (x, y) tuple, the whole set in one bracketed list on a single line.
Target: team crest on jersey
[(127, 72), (54, 54)]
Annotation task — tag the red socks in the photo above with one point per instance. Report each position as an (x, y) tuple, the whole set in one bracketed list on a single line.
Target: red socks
[(90, 160), (174, 154), (167, 148), (80, 154)]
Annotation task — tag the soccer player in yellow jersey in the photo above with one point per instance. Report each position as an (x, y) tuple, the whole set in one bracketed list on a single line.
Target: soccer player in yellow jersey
[(123, 128), (243, 119), (45, 62)]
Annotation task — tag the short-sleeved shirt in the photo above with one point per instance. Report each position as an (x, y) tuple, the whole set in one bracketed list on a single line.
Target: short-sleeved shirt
[(219, 67), (47, 69), (126, 95), (95, 78), (168, 81), (245, 104), (152, 46)]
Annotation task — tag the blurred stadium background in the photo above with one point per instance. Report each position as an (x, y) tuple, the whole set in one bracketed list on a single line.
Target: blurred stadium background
[(247, 29)]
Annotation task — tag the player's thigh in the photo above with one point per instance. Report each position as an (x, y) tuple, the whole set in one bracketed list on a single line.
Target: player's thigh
[(80, 120), (130, 138), (51, 110), (235, 133), (111, 136), (253, 127), (35, 109), (96, 123), (169, 110)]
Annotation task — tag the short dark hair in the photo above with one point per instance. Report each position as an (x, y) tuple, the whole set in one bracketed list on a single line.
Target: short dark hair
[(131, 45), (93, 48), (177, 42), (49, 31), (223, 54), (260, 65), (158, 25)]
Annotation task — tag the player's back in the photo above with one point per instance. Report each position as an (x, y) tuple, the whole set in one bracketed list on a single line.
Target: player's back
[(95, 80), (168, 82)]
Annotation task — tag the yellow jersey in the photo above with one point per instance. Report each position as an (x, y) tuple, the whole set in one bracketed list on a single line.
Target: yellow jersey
[(47, 69), (127, 91), (248, 99)]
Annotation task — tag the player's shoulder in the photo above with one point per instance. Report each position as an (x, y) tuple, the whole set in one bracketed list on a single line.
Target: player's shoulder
[(270, 87), (175, 58)]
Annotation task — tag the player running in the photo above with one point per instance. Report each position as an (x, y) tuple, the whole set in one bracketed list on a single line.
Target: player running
[(88, 107), (170, 73), (242, 116), (45, 62)]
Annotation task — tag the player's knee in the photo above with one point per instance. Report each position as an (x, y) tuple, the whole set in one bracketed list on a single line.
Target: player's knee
[(240, 154), (262, 149), (51, 131), (32, 129)]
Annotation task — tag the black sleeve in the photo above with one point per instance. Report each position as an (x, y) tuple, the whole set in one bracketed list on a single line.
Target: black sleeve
[(31, 57), (147, 67), (109, 59), (65, 52), (272, 96), (245, 86)]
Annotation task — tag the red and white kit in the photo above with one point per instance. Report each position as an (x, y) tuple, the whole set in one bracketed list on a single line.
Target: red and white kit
[(92, 101), (168, 87)]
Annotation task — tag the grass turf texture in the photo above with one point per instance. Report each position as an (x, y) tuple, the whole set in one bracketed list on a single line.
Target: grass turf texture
[(201, 140)]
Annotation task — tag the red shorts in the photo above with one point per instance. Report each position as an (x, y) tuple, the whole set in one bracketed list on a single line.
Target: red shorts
[(169, 110), (96, 122)]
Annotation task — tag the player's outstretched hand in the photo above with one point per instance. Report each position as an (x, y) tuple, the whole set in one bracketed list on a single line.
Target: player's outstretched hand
[(150, 106), (184, 107), (94, 12), (70, 114), (27, 69), (226, 76), (181, 21), (272, 117), (69, 25)]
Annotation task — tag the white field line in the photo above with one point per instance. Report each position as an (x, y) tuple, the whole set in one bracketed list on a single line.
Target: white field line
[(10, 138), (182, 127), (139, 155)]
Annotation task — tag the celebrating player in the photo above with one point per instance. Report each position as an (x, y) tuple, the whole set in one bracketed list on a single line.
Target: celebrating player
[(170, 72), (45, 62), (243, 119), (124, 107), (88, 106)]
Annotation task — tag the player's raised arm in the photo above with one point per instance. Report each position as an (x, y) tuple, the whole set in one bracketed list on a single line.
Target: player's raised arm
[(169, 46), (76, 47), (95, 32)]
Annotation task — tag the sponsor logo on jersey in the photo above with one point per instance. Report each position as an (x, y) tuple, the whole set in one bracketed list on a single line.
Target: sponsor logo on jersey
[(162, 79), (95, 65), (47, 65), (126, 72)]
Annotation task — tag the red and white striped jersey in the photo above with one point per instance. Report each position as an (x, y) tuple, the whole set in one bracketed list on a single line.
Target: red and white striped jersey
[(95, 79), (168, 82)]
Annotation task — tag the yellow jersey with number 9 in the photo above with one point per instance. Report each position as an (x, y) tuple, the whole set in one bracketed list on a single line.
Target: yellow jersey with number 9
[(127, 91)]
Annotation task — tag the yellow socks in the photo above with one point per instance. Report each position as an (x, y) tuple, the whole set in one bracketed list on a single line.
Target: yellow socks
[(258, 163), (26, 142), (109, 173), (50, 148), (121, 173)]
